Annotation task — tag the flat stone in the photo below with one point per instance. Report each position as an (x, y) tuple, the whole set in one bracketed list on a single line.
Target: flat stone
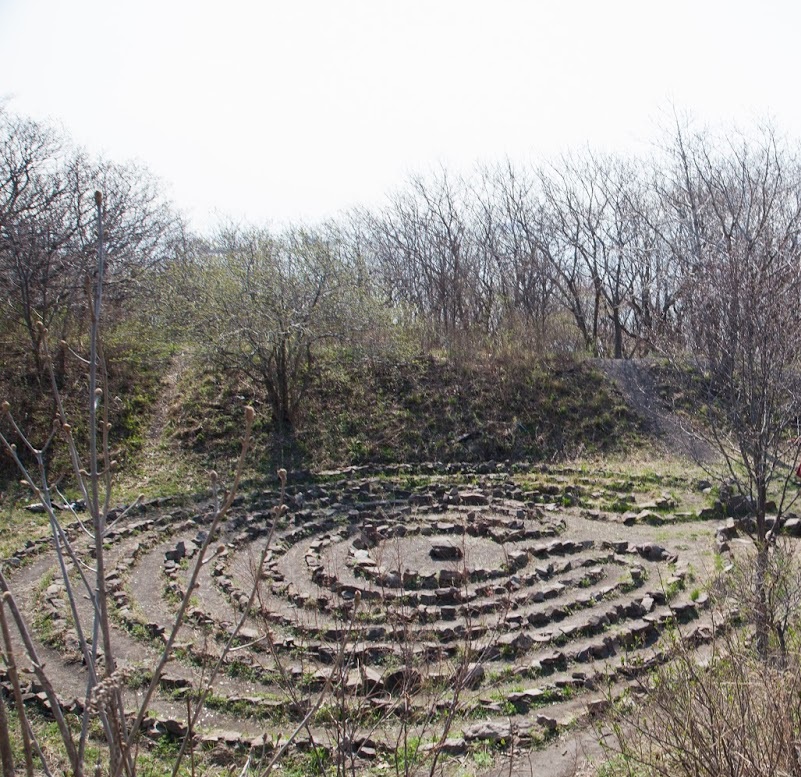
[(515, 643), (488, 731), (650, 517), (473, 676), (173, 682), (473, 498), (792, 526), (548, 723), (597, 707), (453, 746), (248, 634), (446, 553)]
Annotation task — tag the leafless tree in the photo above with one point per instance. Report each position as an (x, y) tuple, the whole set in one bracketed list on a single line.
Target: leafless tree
[(585, 236), (423, 245), (742, 315), (265, 303), (659, 276), (506, 228), (33, 217), (47, 228)]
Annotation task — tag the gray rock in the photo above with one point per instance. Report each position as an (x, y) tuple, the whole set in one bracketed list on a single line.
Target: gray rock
[(406, 679), (515, 643), (473, 498), (473, 676), (174, 728), (792, 526), (177, 553), (488, 731), (550, 724), (446, 553), (173, 682), (453, 746), (597, 707)]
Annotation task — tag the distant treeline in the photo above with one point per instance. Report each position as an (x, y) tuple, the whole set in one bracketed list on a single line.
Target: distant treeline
[(606, 255)]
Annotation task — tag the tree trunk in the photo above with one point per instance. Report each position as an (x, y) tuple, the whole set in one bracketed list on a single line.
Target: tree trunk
[(761, 619), (618, 326)]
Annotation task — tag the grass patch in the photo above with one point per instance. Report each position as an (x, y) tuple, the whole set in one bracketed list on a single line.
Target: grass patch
[(423, 409)]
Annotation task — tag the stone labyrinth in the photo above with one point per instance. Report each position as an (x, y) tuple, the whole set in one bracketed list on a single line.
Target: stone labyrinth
[(448, 605)]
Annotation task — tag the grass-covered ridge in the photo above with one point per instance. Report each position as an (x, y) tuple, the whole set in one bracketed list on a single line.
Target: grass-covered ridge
[(427, 409)]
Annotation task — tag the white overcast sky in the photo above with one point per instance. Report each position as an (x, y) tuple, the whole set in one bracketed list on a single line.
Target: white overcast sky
[(283, 111)]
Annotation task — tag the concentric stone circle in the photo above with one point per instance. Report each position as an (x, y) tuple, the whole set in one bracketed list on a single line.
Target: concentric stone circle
[(387, 586)]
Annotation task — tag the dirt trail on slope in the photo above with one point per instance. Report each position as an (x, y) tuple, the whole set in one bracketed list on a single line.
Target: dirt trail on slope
[(671, 433), (160, 463), (166, 398)]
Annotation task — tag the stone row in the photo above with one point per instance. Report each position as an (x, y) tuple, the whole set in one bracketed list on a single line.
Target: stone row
[(503, 646), (450, 604)]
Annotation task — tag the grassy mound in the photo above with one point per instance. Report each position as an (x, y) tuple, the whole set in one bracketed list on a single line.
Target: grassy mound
[(427, 409)]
